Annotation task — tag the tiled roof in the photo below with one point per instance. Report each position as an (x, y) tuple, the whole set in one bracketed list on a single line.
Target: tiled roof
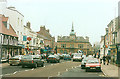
[(67, 38), (4, 29), (42, 36)]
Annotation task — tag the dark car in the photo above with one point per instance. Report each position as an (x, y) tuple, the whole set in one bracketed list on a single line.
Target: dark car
[(32, 61), (93, 64), (53, 58), (67, 57)]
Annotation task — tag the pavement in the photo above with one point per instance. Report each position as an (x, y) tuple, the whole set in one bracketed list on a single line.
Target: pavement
[(110, 70)]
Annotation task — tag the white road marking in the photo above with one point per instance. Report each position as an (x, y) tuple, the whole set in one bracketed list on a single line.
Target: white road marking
[(32, 69), (15, 72), (58, 73), (66, 69), (44, 66), (101, 75), (7, 74), (92, 73), (51, 64), (27, 70)]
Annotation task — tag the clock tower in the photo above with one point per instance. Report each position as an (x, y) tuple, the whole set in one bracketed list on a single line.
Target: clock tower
[(72, 33)]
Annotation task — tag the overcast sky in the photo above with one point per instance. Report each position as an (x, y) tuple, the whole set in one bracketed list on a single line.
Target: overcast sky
[(90, 17)]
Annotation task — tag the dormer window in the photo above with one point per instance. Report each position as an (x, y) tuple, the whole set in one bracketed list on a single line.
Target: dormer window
[(6, 24)]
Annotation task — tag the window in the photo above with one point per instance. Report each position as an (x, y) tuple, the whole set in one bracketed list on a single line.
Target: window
[(63, 45), (61, 51), (65, 51), (71, 45), (21, 23), (18, 21), (5, 23), (80, 45)]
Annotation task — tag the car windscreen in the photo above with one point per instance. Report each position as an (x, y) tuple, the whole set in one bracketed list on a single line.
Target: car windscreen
[(93, 61), (16, 56), (27, 57), (77, 55), (51, 56)]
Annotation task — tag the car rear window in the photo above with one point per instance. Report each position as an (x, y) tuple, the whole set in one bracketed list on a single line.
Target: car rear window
[(16, 56), (92, 61), (51, 56), (27, 57), (77, 55)]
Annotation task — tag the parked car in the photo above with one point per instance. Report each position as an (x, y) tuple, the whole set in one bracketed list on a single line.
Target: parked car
[(83, 56), (53, 58), (93, 64), (83, 63), (16, 60), (32, 61), (77, 57), (67, 57)]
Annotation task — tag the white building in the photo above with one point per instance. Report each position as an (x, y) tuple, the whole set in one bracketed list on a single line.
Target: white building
[(35, 43), (15, 19)]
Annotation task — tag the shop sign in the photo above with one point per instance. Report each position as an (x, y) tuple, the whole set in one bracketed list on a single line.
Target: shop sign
[(118, 48), (112, 47)]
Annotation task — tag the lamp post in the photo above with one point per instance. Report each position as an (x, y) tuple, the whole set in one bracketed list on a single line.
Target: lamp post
[(104, 45)]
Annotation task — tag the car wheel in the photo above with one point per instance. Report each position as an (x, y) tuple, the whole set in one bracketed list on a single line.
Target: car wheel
[(42, 65), (23, 66), (10, 64), (47, 61), (58, 61), (87, 70), (99, 69), (35, 65)]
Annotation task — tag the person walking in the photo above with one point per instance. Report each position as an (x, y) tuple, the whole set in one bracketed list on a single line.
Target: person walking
[(113, 59), (8, 57), (107, 59), (100, 60), (104, 59)]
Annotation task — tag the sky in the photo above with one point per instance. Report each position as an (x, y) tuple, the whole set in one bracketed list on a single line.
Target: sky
[(89, 17)]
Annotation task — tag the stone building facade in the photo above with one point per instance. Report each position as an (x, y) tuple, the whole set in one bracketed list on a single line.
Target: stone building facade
[(73, 43)]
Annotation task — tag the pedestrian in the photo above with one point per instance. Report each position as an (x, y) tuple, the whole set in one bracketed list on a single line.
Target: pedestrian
[(8, 57), (113, 59), (107, 59), (100, 60), (104, 59), (95, 56)]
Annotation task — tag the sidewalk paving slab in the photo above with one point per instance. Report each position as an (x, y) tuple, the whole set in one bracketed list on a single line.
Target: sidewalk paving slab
[(110, 70)]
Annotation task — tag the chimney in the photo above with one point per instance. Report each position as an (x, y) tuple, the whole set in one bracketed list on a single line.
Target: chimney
[(47, 30), (42, 27), (102, 37), (106, 29), (28, 25), (87, 38)]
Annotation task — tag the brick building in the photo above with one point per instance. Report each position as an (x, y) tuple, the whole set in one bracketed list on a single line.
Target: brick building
[(47, 37)]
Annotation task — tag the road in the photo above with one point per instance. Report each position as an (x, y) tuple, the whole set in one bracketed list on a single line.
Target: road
[(62, 69)]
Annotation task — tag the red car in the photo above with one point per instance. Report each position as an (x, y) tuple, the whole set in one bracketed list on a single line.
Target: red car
[(93, 64)]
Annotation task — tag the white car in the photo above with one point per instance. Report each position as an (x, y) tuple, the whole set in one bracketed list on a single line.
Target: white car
[(77, 57)]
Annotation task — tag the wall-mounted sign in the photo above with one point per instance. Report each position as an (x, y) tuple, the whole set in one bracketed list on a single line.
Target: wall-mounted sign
[(29, 38), (119, 48), (113, 47)]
